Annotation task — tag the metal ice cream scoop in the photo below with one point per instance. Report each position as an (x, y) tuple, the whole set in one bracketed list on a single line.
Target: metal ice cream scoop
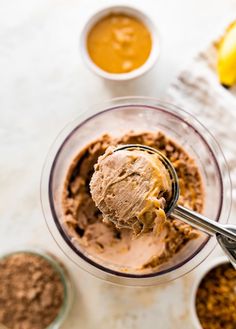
[(225, 234)]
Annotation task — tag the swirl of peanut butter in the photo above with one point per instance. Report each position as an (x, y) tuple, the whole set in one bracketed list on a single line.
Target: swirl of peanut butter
[(131, 188)]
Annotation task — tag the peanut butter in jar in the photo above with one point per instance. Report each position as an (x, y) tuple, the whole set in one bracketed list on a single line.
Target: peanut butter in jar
[(119, 43)]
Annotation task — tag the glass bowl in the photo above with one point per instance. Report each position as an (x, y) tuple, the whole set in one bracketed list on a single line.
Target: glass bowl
[(155, 51), (117, 117), (206, 269), (63, 274)]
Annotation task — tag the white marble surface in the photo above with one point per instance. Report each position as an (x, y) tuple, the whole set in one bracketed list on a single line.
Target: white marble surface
[(43, 85)]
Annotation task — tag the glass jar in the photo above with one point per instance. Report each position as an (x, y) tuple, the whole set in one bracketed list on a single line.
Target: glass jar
[(117, 117), (206, 269), (64, 276)]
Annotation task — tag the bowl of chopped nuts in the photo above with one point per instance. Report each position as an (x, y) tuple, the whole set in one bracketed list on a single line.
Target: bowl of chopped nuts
[(213, 298)]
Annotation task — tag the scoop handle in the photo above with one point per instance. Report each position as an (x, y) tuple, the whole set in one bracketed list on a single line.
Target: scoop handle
[(225, 234), (203, 223), (228, 246)]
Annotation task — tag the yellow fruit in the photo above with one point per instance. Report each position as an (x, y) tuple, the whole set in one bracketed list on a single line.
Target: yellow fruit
[(227, 57)]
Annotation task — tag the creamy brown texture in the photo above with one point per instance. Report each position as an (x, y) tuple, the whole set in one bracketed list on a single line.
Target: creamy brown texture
[(130, 188), (83, 222), (119, 43)]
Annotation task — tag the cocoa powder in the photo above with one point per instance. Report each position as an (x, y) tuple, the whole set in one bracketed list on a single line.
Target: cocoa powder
[(31, 292)]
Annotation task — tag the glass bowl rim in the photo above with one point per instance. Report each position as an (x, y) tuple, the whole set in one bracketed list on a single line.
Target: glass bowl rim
[(151, 104)]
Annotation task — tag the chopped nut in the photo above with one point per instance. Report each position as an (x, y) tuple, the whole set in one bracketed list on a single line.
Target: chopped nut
[(216, 298)]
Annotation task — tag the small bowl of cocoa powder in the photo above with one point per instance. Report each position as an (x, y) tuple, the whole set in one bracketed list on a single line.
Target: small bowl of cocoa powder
[(35, 290), (213, 304)]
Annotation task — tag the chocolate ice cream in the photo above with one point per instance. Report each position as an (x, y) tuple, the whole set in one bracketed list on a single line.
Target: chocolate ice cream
[(130, 188), (115, 248)]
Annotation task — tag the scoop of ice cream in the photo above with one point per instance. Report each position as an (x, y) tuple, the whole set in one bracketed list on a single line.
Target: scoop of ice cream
[(131, 187)]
